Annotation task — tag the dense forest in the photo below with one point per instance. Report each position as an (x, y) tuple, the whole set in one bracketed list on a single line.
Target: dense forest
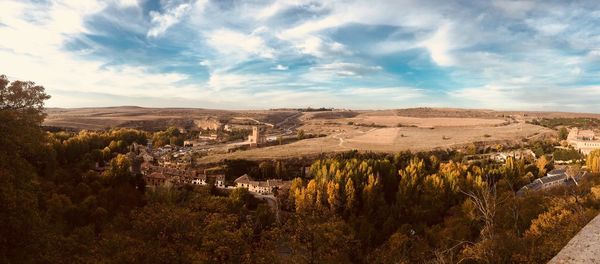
[(351, 208)]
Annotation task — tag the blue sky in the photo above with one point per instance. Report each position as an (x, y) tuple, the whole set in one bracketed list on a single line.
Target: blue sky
[(503, 54)]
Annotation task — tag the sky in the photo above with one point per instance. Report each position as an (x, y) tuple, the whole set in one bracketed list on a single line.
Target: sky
[(251, 54)]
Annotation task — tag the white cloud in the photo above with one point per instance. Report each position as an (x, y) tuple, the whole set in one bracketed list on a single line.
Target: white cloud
[(229, 42), (205, 63), (547, 26), (271, 10), (163, 21), (307, 28), (280, 67), (33, 50), (347, 69), (489, 53), (439, 46), (127, 3), (315, 46)]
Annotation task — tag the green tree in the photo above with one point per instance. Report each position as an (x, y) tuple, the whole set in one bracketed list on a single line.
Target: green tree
[(563, 133)]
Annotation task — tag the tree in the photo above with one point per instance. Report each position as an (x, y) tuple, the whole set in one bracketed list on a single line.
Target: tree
[(280, 170), (118, 168), (317, 240), (563, 133), (486, 202), (351, 198), (267, 170), (334, 198), (593, 161), (21, 141), (300, 134), (295, 186), (542, 164), (26, 97), (240, 197)]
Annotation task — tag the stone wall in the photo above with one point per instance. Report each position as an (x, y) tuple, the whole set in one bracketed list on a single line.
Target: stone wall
[(584, 247)]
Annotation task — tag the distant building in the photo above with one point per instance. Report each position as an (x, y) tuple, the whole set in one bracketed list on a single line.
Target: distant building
[(554, 178), (517, 154), (199, 180), (256, 138), (220, 181), (261, 187), (173, 175), (209, 137), (156, 179), (583, 140)]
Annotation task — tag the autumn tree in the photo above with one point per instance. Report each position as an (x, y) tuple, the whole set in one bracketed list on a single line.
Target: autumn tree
[(593, 161), (21, 114)]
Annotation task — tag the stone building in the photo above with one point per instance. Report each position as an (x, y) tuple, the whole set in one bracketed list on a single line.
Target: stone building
[(261, 187), (583, 140), (257, 137), (554, 178), (156, 179)]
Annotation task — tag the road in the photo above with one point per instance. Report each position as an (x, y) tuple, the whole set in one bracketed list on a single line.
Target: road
[(252, 119), (287, 119), (271, 201)]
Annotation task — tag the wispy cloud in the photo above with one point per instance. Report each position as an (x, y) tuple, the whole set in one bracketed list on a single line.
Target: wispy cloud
[(347, 69), (351, 53), (229, 42), (163, 21)]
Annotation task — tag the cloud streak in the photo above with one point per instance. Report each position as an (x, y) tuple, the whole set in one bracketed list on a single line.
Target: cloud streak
[(351, 53)]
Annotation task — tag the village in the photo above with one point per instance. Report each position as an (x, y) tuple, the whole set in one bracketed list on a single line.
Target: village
[(171, 165)]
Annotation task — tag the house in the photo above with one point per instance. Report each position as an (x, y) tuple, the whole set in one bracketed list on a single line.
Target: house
[(173, 175), (220, 181), (583, 140), (261, 187), (554, 178), (209, 137), (156, 179), (199, 180), (517, 154)]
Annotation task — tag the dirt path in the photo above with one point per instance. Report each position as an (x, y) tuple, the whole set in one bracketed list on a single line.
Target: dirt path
[(341, 139)]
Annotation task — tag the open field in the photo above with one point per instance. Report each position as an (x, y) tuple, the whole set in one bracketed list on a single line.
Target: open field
[(151, 118), (391, 139), (380, 131), (395, 121)]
